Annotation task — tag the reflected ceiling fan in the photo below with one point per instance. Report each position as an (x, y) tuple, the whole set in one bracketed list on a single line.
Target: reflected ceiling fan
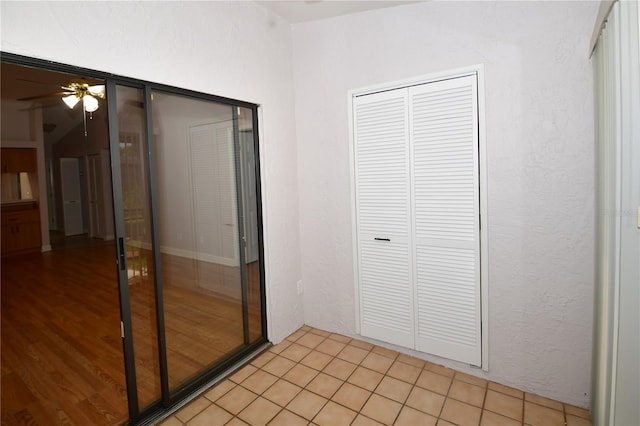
[(73, 93)]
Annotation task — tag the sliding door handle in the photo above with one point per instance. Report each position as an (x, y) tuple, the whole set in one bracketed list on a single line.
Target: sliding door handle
[(382, 239), (121, 254)]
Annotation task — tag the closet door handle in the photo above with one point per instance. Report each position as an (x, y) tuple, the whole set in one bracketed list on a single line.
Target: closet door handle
[(382, 239)]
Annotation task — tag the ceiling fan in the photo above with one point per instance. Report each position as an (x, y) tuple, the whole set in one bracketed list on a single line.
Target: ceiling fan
[(73, 93)]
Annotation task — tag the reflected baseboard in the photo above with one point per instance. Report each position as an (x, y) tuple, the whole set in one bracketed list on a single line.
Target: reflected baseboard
[(204, 257)]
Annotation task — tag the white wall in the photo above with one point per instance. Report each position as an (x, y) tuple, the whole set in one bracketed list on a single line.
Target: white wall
[(232, 49), (539, 117)]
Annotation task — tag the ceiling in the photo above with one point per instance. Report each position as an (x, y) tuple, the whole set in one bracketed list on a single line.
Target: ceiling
[(295, 11)]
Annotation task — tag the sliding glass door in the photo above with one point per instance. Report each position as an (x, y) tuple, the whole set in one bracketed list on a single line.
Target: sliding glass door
[(187, 203)]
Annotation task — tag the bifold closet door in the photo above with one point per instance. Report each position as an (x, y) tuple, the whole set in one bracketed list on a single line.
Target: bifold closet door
[(381, 155), (416, 176), (444, 142)]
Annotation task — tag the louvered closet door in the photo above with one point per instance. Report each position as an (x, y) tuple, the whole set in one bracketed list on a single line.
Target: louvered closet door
[(381, 153), (444, 140)]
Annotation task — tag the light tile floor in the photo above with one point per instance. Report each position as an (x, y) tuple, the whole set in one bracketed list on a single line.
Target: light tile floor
[(315, 377)]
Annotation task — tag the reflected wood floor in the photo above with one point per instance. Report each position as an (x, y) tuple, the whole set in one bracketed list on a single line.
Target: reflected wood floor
[(61, 349)]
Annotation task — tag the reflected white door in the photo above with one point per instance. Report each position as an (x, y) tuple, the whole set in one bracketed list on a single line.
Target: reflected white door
[(71, 196), (214, 193)]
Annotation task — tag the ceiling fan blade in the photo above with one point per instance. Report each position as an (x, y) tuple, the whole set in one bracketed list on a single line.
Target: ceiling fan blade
[(47, 95), (43, 105), (38, 82)]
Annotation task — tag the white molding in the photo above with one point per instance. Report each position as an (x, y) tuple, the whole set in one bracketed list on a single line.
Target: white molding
[(617, 198), (265, 225), (414, 81), (354, 219), (484, 217), (601, 22)]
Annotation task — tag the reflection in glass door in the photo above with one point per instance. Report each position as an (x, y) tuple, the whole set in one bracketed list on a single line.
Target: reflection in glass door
[(202, 279), (188, 224)]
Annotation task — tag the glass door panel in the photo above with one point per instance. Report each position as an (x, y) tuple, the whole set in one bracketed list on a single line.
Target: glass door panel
[(194, 142), (134, 232), (251, 219)]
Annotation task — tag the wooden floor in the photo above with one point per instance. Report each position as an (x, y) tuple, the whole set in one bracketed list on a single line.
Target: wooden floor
[(61, 349)]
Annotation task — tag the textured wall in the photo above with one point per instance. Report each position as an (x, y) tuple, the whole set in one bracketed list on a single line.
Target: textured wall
[(539, 119), (233, 49)]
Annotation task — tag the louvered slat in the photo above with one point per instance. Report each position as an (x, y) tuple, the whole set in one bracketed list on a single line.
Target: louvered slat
[(444, 141), (381, 156)]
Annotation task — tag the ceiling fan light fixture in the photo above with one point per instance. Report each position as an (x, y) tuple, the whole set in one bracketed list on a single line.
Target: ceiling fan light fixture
[(97, 90), (71, 100), (90, 103)]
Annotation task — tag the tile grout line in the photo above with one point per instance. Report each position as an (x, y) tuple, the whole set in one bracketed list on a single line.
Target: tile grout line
[(346, 381), (445, 399), (333, 357), (281, 377), (484, 401), (368, 348)]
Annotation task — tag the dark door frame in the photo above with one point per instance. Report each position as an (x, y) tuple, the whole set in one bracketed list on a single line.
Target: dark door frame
[(169, 399)]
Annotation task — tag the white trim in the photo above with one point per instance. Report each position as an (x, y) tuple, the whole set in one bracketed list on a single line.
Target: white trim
[(478, 71), (601, 22), (265, 225), (484, 217), (45, 248), (354, 218), (414, 81), (615, 40)]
